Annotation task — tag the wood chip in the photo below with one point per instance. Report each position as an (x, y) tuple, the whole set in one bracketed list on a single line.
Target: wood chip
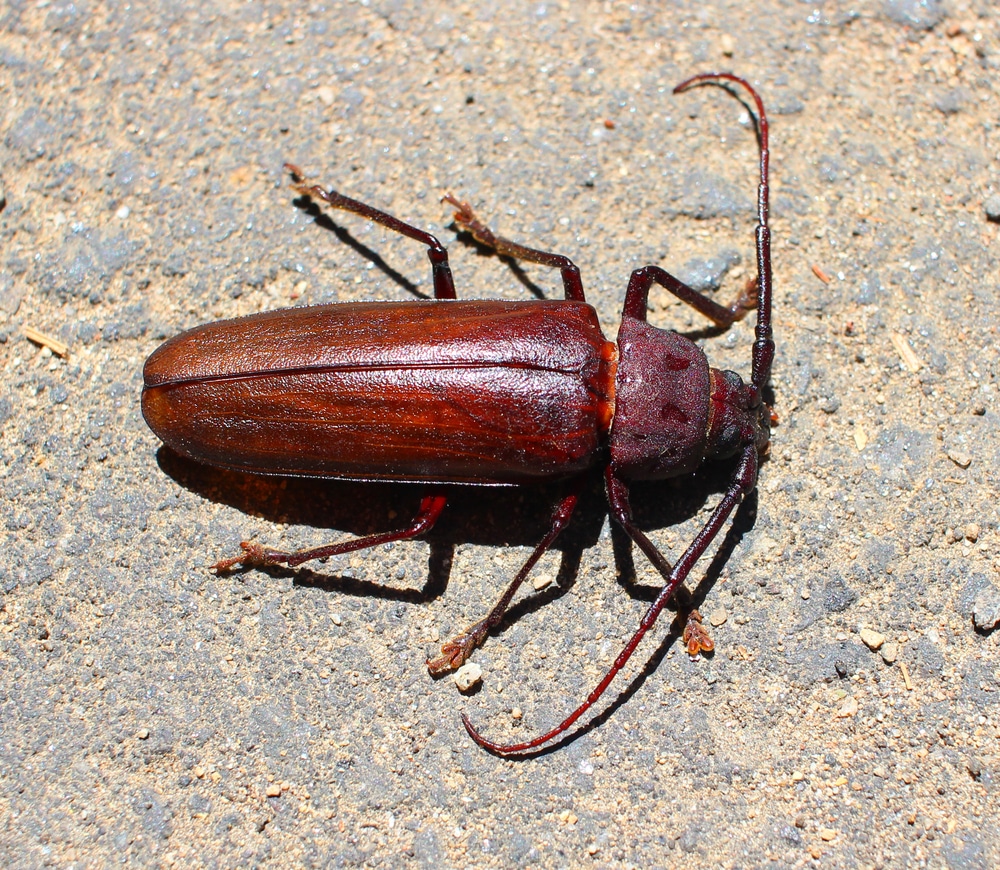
[(819, 273), (40, 338), (906, 354), (906, 676)]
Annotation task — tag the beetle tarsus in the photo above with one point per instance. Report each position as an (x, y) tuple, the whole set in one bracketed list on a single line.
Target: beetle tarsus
[(253, 556), (468, 222), (456, 651), (695, 636)]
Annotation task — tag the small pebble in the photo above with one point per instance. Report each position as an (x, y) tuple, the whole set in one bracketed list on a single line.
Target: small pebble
[(986, 610), (960, 458), (848, 708), (142, 734), (467, 676), (872, 639), (718, 617), (273, 790), (123, 212), (889, 652), (827, 834), (805, 593), (541, 581), (337, 619), (972, 531), (991, 205)]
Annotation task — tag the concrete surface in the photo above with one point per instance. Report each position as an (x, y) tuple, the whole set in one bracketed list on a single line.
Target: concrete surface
[(155, 714)]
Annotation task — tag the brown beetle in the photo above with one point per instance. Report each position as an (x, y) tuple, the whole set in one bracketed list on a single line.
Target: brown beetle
[(480, 392)]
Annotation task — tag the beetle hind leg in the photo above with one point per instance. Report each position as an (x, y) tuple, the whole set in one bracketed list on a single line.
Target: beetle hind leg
[(467, 221), (455, 651), (259, 556)]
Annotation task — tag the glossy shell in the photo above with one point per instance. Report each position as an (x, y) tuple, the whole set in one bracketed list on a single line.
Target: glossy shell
[(448, 391)]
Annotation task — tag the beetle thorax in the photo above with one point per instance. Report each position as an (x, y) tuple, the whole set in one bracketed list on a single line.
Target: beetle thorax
[(671, 410)]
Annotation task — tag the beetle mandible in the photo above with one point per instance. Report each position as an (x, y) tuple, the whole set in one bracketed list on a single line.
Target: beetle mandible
[(476, 392)]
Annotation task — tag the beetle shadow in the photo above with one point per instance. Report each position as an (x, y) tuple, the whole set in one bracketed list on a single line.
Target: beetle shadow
[(487, 516), (324, 221), (512, 263)]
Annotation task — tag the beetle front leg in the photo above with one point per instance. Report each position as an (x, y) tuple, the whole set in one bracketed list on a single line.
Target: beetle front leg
[(259, 556), (455, 652), (444, 283), (468, 222), (642, 279)]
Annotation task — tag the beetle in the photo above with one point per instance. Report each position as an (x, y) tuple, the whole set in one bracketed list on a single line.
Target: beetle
[(444, 392)]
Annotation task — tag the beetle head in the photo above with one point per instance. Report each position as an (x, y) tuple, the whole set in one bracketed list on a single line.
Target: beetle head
[(737, 416)]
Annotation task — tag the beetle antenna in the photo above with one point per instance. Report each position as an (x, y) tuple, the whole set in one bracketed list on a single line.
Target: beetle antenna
[(763, 349), (744, 479)]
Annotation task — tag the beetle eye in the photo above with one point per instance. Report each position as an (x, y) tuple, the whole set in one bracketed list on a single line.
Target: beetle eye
[(733, 379), (730, 441)]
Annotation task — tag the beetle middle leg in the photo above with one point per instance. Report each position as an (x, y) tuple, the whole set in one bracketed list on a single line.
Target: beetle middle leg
[(469, 222), (444, 283), (258, 555), (455, 651)]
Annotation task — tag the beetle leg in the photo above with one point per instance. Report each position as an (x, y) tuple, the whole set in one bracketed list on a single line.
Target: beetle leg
[(642, 279), (695, 636), (444, 283), (459, 648), (257, 555), (744, 480), (469, 222)]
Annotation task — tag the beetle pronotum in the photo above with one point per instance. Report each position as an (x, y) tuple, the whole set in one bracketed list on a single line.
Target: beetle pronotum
[(480, 392)]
